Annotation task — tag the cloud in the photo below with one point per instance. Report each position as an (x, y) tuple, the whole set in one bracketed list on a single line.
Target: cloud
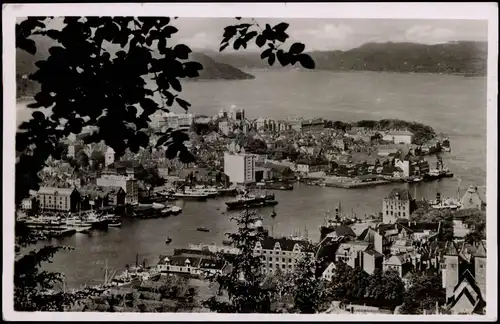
[(324, 36), (202, 40), (429, 35)]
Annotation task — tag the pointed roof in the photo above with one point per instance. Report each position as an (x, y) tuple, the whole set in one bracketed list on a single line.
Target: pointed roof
[(450, 249), (480, 251)]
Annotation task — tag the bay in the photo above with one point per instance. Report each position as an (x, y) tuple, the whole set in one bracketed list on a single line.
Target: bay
[(451, 104)]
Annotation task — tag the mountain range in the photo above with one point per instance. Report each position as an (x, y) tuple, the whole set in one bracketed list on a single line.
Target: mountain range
[(25, 65), (463, 57)]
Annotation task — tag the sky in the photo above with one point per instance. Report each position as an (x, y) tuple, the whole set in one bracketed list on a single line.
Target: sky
[(334, 33), (340, 34)]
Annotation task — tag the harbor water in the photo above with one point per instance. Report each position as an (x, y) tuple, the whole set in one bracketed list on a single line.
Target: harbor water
[(451, 104)]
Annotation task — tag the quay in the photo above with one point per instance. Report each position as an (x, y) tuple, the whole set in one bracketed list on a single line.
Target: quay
[(354, 185)]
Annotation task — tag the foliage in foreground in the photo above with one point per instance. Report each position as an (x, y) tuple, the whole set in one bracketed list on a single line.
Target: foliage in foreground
[(243, 283), (86, 84), (424, 292)]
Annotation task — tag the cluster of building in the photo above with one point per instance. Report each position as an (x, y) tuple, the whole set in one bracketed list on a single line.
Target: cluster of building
[(406, 247)]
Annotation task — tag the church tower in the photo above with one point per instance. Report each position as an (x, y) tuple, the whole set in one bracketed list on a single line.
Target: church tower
[(109, 157), (450, 269)]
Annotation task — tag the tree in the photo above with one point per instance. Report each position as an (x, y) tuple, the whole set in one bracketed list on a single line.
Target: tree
[(243, 284), (309, 293), (424, 292), (82, 159), (86, 83)]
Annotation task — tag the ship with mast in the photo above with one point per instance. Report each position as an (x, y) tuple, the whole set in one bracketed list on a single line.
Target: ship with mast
[(441, 171), (248, 200), (340, 219)]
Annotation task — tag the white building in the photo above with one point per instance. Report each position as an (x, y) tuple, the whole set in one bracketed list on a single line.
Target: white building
[(224, 127), (128, 184), (27, 203), (109, 157), (403, 165), (398, 137), (175, 121), (240, 167)]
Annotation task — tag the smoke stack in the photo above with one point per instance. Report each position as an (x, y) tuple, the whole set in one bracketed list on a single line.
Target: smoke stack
[(438, 197)]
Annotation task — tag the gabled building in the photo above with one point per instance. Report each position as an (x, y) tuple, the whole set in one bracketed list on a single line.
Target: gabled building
[(399, 204), (464, 276), (401, 263), (280, 253)]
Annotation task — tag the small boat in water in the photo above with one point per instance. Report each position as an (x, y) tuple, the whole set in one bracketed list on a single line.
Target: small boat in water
[(273, 214), (202, 229), (115, 224), (168, 240)]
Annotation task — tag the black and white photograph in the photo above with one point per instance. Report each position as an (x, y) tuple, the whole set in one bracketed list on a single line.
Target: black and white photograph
[(161, 158)]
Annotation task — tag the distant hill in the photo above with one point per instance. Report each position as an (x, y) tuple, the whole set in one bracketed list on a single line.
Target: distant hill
[(213, 70), (25, 65), (468, 58)]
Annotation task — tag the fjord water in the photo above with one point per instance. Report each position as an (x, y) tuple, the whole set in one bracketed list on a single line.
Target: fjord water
[(454, 105)]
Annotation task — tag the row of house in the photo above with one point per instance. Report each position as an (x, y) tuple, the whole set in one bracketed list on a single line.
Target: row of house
[(74, 199)]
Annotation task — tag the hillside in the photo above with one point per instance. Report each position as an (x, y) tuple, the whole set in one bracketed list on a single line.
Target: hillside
[(25, 65), (468, 58), (213, 70)]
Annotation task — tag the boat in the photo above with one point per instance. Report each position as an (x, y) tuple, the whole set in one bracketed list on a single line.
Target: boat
[(209, 191), (168, 240), (115, 223), (176, 210), (252, 201), (191, 195), (273, 214), (227, 242), (446, 203), (330, 223), (231, 191), (274, 185), (151, 211), (202, 229)]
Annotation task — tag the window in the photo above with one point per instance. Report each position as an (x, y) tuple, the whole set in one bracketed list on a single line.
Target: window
[(290, 260), (283, 260), (277, 266), (283, 266), (289, 266), (270, 259)]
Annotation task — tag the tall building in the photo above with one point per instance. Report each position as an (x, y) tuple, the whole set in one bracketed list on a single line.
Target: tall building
[(399, 204), (109, 157), (128, 184), (239, 167)]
